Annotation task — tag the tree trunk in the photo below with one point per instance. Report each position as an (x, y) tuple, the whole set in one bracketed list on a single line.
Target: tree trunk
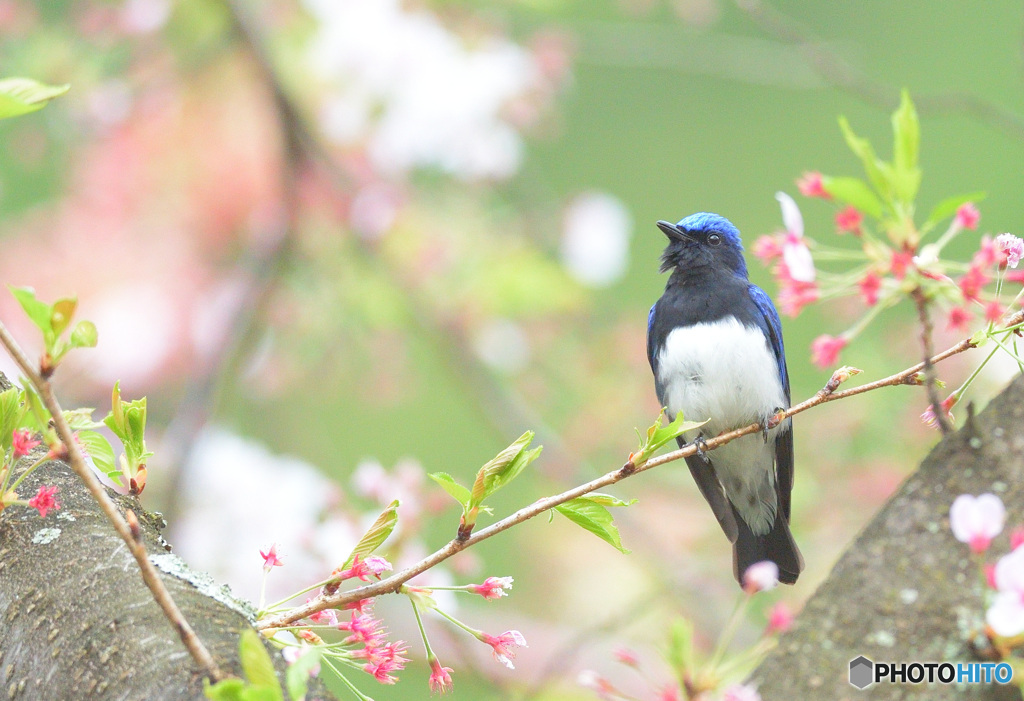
[(906, 590), (76, 620)]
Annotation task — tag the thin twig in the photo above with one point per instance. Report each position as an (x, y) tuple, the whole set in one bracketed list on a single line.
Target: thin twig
[(829, 393), (931, 382), (149, 572)]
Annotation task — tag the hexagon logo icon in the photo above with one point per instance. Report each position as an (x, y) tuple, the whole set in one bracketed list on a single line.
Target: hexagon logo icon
[(861, 672)]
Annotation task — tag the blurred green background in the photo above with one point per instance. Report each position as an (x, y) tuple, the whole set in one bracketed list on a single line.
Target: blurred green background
[(347, 307)]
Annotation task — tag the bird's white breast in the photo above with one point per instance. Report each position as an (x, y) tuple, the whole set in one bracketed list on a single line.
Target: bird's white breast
[(723, 371)]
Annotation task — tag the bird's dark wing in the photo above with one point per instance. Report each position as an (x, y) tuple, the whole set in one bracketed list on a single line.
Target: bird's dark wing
[(709, 486), (651, 341), (772, 327)]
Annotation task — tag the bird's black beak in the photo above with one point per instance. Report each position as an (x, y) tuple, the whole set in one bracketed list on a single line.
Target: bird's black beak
[(673, 232)]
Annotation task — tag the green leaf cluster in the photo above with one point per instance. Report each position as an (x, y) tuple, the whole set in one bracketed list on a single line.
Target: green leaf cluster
[(53, 320), (889, 189), (658, 435), (495, 474), (127, 420)]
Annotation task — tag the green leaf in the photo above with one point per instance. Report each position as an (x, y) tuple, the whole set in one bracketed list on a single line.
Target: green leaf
[(98, 448), (20, 96), (39, 312), (448, 484), (498, 479), (680, 648), (503, 468), (61, 313), (84, 335), (36, 416), (81, 419), (377, 533), (658, 435), (608, 500), (906, 132), (878, 172), (297, 677), (592, 515), (115, 419), (256, 663), (11, 412), (854, 192), (947, 207)]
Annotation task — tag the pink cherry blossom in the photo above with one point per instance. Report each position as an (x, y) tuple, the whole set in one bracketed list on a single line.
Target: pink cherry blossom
[(761, 576), (1006, 614), (365, 629), (270, 558), (988, 254), (767, 249), (849, 219), (928, 417), (1016, 537), (43, 501), (1012, 247), (959, 319), (440, 681), (327, 617), (502, 645), (973, 281), (780, 618), (811, 184), (364, 569), (967, 216), (382, 661), (22, 443), (493, 587), (825, 350), (900, 263), (994, 311), (977, 520), (793, 294), (795, 252), (870, 285)]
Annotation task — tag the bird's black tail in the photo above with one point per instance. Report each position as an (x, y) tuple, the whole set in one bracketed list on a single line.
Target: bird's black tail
[(776, 545)]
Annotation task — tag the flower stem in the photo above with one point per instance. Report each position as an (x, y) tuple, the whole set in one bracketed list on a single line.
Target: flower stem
[(730, 630), (23, 475)]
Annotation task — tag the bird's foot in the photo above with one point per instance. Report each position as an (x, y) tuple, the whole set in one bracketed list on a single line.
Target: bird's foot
[(702, 448), (771, 421)]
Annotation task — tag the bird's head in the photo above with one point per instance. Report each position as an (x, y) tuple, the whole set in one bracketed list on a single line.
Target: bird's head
[(703, 241)]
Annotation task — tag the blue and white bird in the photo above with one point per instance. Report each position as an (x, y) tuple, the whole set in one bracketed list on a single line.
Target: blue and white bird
[(714, 342)]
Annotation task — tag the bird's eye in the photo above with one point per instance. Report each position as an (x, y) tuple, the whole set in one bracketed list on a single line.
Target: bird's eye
[(714, 239)]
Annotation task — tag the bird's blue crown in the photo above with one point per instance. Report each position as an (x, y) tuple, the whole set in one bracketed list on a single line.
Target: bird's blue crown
[(706, 221)]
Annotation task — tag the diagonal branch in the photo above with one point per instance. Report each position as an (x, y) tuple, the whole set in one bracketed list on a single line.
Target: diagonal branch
[(830, 392), (149, 572)]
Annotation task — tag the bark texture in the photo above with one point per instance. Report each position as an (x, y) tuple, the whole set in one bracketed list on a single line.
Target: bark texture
[(76, 620), (906, 590)]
